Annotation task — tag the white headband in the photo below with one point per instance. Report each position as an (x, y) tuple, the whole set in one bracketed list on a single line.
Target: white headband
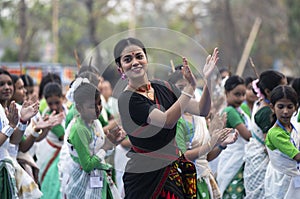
[(75, 85)]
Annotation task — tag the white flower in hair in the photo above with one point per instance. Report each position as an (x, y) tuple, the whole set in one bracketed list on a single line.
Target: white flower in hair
[(75, 85)]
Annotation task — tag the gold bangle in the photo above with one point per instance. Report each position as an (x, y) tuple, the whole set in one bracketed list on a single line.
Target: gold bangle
[(36, 133)]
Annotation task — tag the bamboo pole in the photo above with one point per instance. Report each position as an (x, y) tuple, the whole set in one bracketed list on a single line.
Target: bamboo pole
[(253, 67), (248, 46)]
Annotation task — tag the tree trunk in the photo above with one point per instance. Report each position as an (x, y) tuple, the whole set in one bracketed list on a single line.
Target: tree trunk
[(225, 27), (23, 30), (97, 61)]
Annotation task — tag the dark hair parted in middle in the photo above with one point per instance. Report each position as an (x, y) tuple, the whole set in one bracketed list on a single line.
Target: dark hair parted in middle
[(284, 92), (122, 44), (232, 82)]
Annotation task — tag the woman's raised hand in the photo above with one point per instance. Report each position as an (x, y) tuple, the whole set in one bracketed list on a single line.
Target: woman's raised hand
[(219, 136), (56, 119), (48, 122), (187, 73), (210, 64), (12, 114), (28, 110), (231, 138)]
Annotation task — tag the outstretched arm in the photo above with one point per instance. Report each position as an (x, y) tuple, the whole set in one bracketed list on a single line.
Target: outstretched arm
[(169, 118), (202, 107)]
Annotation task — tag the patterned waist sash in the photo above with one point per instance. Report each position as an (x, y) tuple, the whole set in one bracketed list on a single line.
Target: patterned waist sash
[(52, 159)]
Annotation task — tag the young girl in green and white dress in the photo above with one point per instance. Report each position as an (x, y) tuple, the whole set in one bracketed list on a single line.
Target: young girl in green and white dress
[(231, 163), (48, 150), (282, 179), (89, 173), (256, 159)]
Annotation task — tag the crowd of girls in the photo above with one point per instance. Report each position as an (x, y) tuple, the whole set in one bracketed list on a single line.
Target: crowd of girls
[(60, 145)]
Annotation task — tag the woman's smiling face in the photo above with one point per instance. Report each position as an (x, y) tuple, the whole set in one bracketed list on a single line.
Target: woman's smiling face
[(6, 88), (133, 62)]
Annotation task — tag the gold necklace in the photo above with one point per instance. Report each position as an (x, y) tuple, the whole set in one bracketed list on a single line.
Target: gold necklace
[(146, 90)]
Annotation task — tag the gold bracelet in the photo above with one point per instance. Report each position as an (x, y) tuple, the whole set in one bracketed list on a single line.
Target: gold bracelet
[(36, 133)]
